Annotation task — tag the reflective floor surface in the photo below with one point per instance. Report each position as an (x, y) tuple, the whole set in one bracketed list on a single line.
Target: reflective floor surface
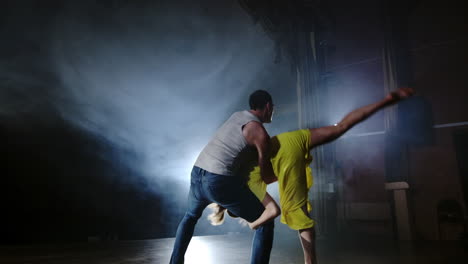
[(235, 248)]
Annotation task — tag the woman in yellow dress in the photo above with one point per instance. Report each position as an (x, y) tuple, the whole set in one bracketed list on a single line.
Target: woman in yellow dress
[(290, 158)]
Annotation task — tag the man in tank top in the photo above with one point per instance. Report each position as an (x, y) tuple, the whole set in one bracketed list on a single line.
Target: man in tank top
[(216, 176)]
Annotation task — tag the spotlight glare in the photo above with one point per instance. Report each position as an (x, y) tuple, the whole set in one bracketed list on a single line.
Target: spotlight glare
[(199, 252)]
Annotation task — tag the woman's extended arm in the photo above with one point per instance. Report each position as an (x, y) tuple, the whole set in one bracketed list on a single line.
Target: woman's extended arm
[(326, 134)]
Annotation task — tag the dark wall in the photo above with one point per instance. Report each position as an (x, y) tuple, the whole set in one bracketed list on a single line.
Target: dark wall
[(60, 183), (436, 42)]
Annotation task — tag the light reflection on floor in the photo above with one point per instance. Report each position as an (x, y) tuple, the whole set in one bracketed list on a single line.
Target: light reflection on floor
[(199, 251), (235, 248)]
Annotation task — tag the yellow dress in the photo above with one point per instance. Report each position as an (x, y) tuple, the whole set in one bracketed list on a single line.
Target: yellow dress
[(290, 160)]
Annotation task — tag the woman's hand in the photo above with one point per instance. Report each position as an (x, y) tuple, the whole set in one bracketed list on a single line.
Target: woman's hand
[(399, 94)]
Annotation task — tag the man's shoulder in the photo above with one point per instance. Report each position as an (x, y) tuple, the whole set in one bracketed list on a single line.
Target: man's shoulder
[(254, 129), (255, 124), (243, 116), (241, 113), (236, 114)]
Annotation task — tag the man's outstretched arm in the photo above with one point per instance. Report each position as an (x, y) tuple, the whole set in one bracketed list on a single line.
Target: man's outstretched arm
[(326, 134)]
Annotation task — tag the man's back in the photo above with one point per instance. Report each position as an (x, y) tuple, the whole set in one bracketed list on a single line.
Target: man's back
[(228, 147)]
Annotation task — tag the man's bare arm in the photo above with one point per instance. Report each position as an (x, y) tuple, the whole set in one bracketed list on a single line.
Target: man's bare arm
[(326, 134), (256, 135)]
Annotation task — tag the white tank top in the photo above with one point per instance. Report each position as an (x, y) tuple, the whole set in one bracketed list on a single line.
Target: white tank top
[(228, 149)]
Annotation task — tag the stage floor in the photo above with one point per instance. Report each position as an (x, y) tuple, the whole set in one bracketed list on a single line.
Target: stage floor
[(235, 248)]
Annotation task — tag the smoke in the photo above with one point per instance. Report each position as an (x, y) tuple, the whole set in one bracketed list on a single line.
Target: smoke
[(147, 82), (159, 80), (155, 77)]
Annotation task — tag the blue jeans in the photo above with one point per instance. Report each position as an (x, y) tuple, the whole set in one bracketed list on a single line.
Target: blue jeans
[(231, 193)]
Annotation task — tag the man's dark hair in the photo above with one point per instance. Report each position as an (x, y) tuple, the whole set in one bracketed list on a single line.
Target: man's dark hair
[(259, 99)]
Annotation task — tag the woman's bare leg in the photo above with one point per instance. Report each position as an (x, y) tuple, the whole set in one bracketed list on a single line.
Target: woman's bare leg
[(272, 210), (307, 237)]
